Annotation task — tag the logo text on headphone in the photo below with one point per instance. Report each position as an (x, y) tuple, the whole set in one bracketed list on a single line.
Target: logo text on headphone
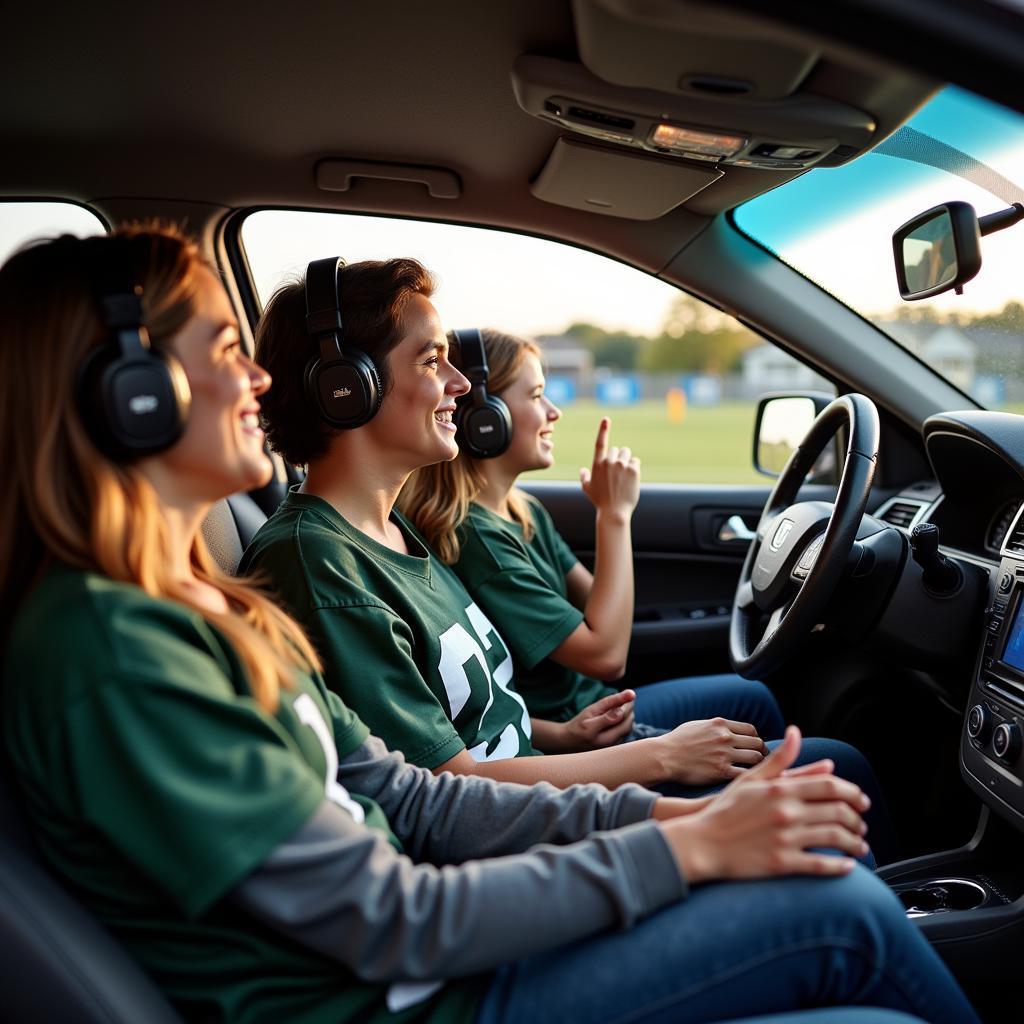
[(141, 404), (342, 392)]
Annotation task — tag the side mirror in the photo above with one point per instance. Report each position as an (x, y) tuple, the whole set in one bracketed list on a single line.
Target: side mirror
[(782, 423), (940, 249)]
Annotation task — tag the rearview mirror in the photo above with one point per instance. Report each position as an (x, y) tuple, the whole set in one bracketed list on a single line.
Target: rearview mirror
[(937, 250), (941, 248)]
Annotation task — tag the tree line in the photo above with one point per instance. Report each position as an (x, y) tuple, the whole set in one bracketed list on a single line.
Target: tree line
[(697, 338)]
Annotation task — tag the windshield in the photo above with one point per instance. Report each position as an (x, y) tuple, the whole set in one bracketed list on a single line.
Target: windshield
[(835, 226)]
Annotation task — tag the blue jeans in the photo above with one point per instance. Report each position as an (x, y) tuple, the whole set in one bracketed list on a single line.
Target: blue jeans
[(674, 701), (740, 949), (670, 703)]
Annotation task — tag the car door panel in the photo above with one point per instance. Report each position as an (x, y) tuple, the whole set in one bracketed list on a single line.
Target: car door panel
[(685, 572)]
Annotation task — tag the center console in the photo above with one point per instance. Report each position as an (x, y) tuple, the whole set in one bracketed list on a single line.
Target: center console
[(969, 902), (992, 742)]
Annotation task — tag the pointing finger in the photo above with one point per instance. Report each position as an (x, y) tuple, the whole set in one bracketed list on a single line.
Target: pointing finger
[(601, 444)]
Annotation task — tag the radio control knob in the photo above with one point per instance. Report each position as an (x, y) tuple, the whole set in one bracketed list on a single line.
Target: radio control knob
[(979, 723), (1006, 742)]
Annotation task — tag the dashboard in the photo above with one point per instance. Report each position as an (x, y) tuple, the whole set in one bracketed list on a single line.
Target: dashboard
[(978, 491), (977, 501)]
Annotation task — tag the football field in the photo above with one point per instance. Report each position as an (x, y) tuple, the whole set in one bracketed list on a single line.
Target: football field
[(709, 445)]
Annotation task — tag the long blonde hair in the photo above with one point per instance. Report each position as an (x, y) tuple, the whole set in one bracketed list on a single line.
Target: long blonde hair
[(67, 501), (437, 498)]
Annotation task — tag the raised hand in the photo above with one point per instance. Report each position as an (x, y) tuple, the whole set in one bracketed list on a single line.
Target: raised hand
[(613, 481)]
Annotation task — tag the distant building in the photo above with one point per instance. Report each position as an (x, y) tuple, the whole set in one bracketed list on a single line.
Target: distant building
[(984, 361), (566, 357)]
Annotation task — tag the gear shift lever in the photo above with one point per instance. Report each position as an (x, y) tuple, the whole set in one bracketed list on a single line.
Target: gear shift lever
[(941, 576)]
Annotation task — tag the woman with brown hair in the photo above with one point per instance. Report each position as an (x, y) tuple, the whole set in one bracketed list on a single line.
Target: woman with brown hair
[(234, 825), (356, 573)]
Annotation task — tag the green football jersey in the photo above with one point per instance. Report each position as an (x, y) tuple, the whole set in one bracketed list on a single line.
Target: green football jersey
[(402, 642), (155, 783), (521, 586)]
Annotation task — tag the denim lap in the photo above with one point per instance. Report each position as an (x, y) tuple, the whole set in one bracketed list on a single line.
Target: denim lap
[(736, 950), (674, 701)]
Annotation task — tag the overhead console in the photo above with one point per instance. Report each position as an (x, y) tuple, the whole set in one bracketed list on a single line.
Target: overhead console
[(716, 97), (788, 133)]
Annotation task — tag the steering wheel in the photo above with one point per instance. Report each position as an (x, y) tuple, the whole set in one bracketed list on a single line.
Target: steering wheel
[(799, 551)]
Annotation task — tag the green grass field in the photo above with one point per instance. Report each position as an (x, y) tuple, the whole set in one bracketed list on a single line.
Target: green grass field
[(710, 445)]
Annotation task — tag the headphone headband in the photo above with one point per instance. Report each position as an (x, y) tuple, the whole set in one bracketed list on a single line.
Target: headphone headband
[(122, 317), (472, 354), (323, 298)]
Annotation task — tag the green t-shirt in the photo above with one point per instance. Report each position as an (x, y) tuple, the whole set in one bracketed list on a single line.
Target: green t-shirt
[(521, 586), (155, 783), (402, 642)]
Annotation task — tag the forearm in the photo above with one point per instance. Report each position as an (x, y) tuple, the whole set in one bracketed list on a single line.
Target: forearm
[(551, 737), (668, 807), (342, 890), (608, 613), (449, 818), (641, 762)]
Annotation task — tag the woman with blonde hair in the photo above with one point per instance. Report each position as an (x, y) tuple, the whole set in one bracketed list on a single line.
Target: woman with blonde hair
[(234, 825)]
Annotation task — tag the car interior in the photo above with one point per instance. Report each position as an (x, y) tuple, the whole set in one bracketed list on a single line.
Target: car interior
[(634, 129)]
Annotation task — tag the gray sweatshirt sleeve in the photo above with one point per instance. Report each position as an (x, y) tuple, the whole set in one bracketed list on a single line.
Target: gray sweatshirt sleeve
[(447, 819), (342, 889)]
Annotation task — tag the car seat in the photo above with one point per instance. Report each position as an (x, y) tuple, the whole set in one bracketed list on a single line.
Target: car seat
[(58, 964)]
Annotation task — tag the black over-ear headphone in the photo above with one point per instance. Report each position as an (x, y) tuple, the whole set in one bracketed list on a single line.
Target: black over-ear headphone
[(133, 399), (342, 382), (483, 422)]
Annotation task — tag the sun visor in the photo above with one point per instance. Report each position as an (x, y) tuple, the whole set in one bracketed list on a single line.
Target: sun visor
[(679, 47), (599, 180)]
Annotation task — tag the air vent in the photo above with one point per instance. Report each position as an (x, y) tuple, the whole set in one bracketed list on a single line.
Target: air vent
[(901, 512), (601, 119), (1014, 543)]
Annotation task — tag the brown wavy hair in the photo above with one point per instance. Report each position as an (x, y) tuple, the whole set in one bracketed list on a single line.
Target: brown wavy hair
[(64, 499), (373, 297), (437, 498)]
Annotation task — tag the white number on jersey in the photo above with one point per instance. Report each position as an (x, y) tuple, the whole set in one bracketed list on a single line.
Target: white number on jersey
[(457, 648), (308, 713)]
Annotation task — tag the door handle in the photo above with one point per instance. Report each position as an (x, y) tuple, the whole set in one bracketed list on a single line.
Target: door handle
[(734, 530)]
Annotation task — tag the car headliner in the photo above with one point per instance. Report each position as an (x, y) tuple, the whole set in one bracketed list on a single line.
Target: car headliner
[(234, 105)]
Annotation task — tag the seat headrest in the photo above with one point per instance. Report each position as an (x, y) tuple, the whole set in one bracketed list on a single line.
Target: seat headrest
[(228, 528)]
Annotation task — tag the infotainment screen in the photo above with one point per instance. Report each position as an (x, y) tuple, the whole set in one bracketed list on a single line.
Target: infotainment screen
[(1013, 653)]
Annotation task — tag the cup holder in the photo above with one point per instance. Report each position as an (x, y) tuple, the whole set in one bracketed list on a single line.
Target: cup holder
[(941, 896)]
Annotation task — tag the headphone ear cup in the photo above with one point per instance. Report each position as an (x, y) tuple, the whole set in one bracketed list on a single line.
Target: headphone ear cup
[(346, 392), (133, 406), (483, 426)]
